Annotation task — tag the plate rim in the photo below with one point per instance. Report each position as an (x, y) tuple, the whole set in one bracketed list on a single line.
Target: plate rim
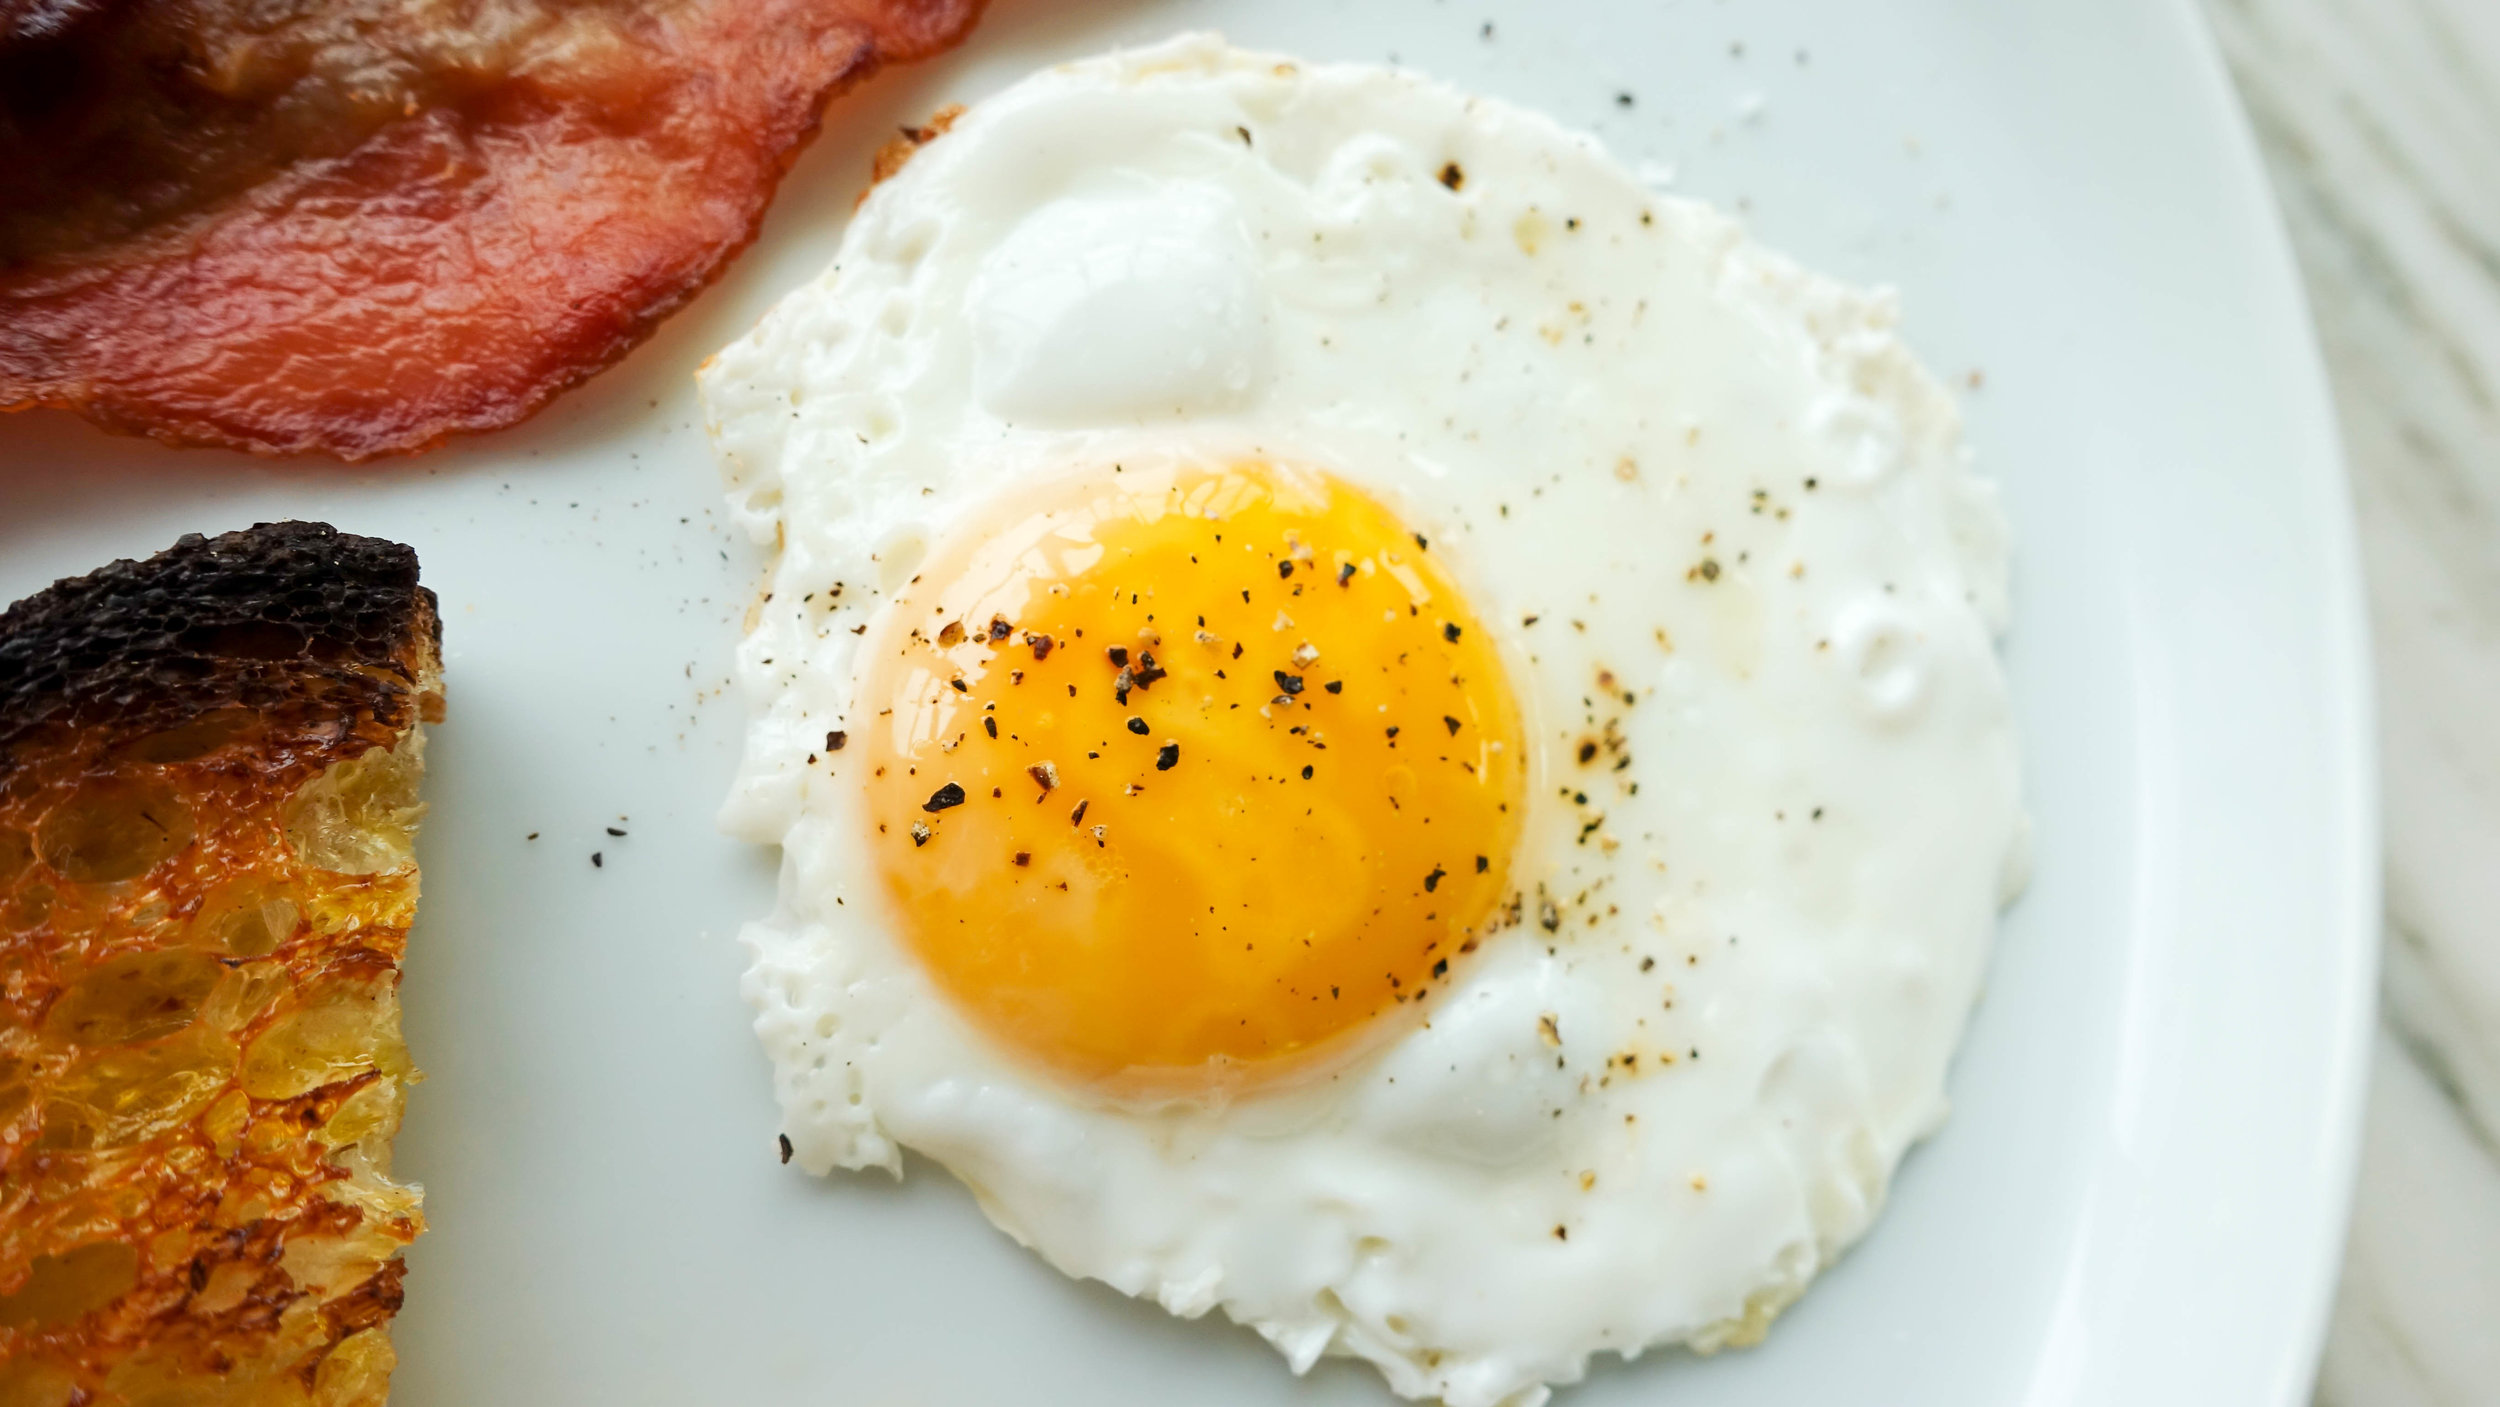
[(2345, 632), (2350, 918)]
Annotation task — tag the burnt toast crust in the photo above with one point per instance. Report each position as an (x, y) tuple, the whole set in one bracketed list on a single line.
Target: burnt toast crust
[(296, 621), (207, 795)]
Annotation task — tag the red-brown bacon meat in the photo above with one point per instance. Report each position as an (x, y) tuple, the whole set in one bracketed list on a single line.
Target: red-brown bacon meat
[(353, 227)]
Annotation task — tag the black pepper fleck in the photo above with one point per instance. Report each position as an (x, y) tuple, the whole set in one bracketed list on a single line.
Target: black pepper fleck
[(944, 798)]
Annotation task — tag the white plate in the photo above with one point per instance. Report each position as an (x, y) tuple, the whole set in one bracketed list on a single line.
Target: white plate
[(2140, 1195)]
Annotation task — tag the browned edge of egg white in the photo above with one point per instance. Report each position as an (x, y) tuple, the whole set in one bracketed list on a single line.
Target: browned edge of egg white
[(899, 149)]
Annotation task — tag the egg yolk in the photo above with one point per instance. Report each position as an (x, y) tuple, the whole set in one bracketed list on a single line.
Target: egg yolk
[(1187, 779)]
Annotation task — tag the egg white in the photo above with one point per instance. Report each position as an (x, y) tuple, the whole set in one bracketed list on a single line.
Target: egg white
[(1712, 478)]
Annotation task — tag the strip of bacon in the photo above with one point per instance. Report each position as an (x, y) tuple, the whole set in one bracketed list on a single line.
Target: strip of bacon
[(498, 216)]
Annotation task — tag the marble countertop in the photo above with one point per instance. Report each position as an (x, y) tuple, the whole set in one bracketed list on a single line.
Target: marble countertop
[(2380, 121)]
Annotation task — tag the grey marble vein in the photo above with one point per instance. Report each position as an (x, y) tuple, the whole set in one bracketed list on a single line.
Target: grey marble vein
[(2380, 122)]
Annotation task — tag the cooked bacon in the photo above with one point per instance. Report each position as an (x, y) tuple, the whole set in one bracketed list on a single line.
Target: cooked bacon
[(368, 224)]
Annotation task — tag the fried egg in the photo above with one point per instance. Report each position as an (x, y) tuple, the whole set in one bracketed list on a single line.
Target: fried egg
[(1370, 724)]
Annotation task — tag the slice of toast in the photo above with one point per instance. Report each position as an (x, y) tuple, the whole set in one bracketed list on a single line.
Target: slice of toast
[(208, 778)]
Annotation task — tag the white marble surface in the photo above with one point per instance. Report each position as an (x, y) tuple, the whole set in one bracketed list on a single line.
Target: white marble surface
[(2380, 120)]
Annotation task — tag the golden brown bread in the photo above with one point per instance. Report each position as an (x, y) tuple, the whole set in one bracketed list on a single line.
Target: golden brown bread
[(208, 769)]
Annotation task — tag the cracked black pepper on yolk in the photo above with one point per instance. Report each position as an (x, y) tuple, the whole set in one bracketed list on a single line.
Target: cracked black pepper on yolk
[(1140, 796)]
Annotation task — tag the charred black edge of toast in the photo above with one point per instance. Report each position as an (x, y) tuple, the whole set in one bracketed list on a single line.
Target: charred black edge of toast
[(296, 621)]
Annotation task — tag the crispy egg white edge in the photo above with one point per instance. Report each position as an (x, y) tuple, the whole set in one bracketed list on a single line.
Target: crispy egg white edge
[(753, 407)]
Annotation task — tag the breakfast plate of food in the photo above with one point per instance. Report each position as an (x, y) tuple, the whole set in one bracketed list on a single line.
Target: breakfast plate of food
[(1278, 704)]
